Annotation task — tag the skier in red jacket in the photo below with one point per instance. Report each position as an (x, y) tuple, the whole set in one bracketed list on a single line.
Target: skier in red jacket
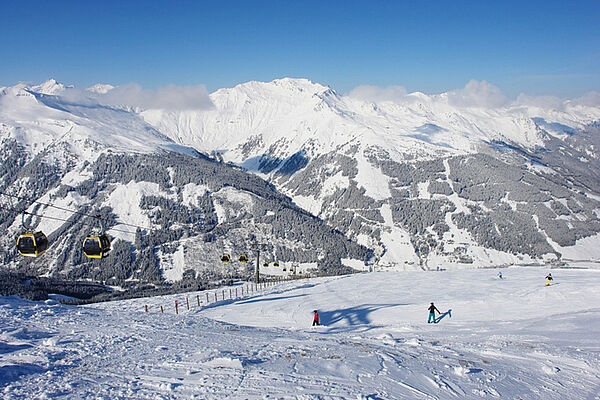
[(316, 318)]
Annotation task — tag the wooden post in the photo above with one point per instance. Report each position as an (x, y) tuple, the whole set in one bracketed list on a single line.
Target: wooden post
[(216, 299), (176, 307), (162, 310), (207, 301), (198, 298), (230, 296), (236, 293), (242, 291), (146, 307), (187, 300), (223, 293)]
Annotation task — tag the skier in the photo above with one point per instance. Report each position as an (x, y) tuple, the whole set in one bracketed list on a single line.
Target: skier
[(500, 274), (432, 309), (549, 278), (316, 318)]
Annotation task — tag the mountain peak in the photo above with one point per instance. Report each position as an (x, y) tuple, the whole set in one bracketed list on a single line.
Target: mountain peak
[(100, 88), (280, 85), (299, 84), (49, 87)]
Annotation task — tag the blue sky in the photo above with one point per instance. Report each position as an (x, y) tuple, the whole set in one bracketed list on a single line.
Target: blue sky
[(536, 47)]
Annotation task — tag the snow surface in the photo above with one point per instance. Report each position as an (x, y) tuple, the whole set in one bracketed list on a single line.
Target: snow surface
[(510, 338), (125, 201), (40, 118)]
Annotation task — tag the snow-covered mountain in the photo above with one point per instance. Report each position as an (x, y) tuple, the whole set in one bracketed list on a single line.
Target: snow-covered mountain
[(171, 211), (421, 179)]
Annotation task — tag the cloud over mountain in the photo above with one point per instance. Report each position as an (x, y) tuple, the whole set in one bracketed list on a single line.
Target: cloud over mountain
[(477, 94)]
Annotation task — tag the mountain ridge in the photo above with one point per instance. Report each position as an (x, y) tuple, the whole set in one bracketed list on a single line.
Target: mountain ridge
[(283, 136), (421, 179)]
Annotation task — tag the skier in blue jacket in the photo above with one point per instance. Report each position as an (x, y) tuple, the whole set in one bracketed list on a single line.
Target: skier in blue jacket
[(432, 309)]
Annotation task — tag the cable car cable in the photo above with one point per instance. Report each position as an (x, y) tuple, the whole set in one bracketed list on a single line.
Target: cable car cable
[(48, 205), (71, 211), (57, 219)]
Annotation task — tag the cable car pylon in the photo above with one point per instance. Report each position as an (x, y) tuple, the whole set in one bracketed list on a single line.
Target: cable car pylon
[(258, 247)]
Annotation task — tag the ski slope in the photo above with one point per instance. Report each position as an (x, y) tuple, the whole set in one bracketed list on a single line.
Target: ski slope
[(510, 338)]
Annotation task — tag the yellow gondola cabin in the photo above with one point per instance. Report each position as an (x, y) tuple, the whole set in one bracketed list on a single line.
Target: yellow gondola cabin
[(32, 244), (96, 246)]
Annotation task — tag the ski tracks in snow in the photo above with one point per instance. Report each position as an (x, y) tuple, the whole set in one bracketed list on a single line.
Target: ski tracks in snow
[(116, 351)]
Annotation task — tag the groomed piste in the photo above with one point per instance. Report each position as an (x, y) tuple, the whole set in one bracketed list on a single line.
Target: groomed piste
[(504, 338)]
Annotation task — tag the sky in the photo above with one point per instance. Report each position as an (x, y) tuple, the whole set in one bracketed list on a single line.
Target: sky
[(533, 47)]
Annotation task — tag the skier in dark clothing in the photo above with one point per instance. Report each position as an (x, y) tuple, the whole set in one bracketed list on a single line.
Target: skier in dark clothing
[(549, 278), (316, 318), (432, 309)]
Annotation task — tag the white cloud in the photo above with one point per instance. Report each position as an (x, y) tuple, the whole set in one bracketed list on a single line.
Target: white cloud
[(169, 97), (590, 99), (379, 94), (477, 94)]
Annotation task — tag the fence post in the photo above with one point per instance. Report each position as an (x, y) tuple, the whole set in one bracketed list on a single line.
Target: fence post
[(187, 300), (236, 293), (198, 298), (230, 296), (223, 293), (176, 307), (207, 301), (242, 291), (162, 309), (216, 299), (146, 307)]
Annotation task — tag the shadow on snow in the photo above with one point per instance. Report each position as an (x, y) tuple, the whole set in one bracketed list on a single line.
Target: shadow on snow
[(357, 316)]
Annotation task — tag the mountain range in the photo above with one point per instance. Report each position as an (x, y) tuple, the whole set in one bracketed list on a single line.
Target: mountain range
[(324, 180), (422, 179)]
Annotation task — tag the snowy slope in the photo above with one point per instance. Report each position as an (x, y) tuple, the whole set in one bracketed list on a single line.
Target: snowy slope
[(39, 118), (290, 113), (513, 338)]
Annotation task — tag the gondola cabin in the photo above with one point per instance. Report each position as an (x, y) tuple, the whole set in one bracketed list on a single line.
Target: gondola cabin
[(225, 258), (32, 244), (243, 258), (276, 264), (266, 265), (96, 246)]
